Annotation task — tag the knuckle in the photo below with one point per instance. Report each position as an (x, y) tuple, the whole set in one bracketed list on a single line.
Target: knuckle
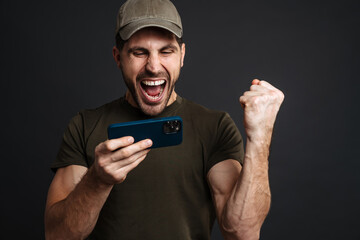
[(122, 179), (131, 159), (273, 93), (121, 175), (99, 148), (281, 95), (113, 158), (125, 152), (278, 95), (101, 163), (273, 96), (108, 145), (246, 94), (256, 100), (107, 170)]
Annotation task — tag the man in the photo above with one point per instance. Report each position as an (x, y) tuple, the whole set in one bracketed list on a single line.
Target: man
[(119, 189)]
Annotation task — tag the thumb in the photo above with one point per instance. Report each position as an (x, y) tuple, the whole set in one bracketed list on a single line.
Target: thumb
[(255, 82)]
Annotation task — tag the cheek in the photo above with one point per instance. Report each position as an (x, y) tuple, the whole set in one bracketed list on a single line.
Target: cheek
[(173, 66), (131, 69)]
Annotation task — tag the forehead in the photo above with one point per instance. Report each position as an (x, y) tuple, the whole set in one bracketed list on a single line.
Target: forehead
[(151, 37)]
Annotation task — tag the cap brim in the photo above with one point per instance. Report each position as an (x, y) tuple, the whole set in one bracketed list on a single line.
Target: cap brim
[(127, 31)]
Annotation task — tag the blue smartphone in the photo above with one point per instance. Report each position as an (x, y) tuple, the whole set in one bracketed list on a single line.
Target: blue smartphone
[(162, 131)]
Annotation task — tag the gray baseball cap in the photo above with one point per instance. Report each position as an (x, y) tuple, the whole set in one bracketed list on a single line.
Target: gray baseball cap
[(137, 14)]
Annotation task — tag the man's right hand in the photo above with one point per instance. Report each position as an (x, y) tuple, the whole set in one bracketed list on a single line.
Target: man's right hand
[(115, 158), (76, 193)]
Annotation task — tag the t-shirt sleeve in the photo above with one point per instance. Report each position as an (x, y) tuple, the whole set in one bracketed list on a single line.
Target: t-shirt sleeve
[(228, 143), (72, 147)]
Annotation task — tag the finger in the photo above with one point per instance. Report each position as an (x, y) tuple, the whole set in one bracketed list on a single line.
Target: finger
[(274, 90), (122, 172), (258, 88), (267, 85), (255, 82), (242, 101), (133, 148), (252, 93), (113, 144), (134, 164), (121, 162)]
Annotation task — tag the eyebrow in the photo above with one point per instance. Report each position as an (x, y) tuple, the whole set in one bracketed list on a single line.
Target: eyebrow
[(136, 48)]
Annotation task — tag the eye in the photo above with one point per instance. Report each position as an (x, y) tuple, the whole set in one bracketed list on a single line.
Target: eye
[(139, 53), (166, 52)]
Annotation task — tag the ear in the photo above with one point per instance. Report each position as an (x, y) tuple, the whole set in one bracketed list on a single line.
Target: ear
[(182, 54), (116, 55)]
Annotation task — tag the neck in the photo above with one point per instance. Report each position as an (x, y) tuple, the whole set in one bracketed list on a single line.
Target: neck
[(129, 98), (172, 98)]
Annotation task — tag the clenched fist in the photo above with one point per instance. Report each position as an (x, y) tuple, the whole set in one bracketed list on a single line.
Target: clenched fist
[(261, 105)]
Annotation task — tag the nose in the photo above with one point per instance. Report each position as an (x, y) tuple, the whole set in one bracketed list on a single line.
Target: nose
[(153, 63)]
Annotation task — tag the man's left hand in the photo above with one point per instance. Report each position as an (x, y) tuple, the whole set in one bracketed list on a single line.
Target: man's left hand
[(261, 105)]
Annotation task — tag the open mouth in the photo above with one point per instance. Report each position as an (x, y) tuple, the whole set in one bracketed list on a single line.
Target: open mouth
[(153, 89)]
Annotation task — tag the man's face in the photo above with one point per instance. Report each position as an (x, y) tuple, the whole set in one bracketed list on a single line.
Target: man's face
[(150, 62)]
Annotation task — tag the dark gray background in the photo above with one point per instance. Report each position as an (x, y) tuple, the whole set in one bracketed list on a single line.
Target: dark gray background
[(56, 59)]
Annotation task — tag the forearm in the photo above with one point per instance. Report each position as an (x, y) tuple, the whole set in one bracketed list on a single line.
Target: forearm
[(249, 202), (75, 216)]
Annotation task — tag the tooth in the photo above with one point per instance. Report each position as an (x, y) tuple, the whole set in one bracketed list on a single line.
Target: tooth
[(153, 83)]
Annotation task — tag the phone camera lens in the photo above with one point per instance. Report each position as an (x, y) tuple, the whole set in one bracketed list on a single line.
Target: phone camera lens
[(171, 127)]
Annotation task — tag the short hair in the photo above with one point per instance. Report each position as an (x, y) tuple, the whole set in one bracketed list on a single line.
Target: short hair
[(120, 42)]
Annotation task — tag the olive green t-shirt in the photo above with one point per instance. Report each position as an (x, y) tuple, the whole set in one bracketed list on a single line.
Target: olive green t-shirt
[(167, 195)]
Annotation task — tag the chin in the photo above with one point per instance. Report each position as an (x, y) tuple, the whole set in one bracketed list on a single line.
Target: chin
[(152, 110)]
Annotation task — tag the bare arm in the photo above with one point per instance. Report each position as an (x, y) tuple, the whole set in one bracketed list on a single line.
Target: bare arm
[(242, 194), (71, 201), (76, 195)]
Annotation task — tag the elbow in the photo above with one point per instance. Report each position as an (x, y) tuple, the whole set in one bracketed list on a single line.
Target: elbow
[(241, 229), (245, 225), (241, 233)]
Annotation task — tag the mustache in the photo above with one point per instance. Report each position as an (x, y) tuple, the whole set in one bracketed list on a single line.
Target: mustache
[(147, 74)]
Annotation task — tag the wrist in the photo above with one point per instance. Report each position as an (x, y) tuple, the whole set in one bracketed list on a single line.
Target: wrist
[(257, 152), (95, 180), (258, 144), (259, 138)]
